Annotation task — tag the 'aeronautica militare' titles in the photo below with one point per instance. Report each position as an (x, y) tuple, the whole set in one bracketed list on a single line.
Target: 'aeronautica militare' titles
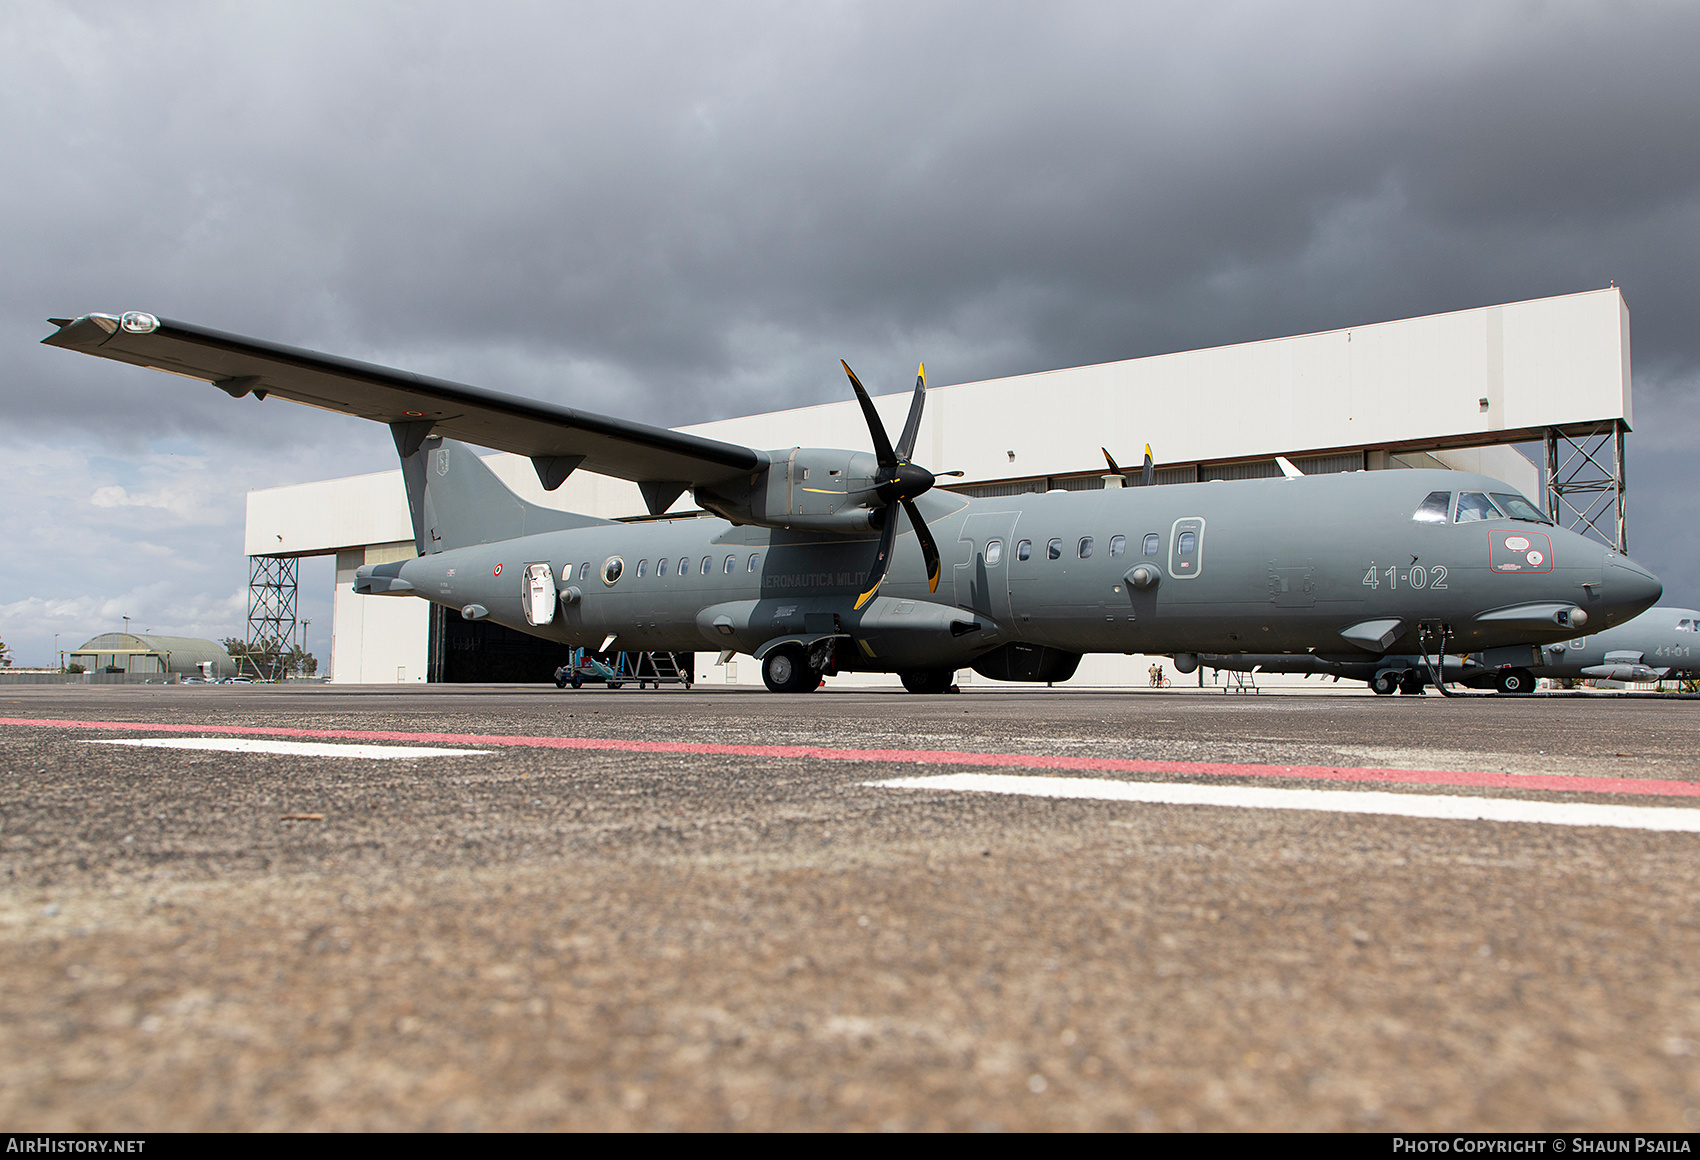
[(818, 561)]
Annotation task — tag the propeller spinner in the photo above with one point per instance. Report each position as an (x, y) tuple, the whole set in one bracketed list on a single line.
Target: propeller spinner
[(898, 482)]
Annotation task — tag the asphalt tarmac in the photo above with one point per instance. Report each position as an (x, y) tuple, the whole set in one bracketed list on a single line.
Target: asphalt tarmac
[(700, 910)]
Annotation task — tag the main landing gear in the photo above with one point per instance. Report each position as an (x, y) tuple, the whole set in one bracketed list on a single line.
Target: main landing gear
[(787, 670), (1516, 682), (927, 680)]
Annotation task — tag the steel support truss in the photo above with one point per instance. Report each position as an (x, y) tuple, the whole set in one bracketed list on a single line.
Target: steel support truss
[(1585, 481), (273, 631)]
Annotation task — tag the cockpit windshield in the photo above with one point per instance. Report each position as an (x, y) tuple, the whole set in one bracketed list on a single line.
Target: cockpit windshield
[(1473, 505), (1433, 509), (1519, 508)]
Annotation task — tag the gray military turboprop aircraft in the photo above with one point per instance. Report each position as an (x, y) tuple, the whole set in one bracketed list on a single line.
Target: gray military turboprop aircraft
[(818, 561), (1660, 643)]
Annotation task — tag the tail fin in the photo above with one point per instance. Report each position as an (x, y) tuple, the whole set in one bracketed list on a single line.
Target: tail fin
[(457, 501)]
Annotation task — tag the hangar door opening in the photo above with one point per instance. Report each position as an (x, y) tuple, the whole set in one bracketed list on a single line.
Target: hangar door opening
[(479, 651)]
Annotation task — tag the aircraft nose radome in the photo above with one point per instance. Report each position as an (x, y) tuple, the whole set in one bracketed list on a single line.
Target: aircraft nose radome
[(1629, 584)]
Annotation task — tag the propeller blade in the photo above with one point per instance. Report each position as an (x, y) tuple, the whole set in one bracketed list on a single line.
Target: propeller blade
[(1147, 473), (882, 442), (1110, 459), (882, 558), (958, 474), (929, 550), (912, 427)]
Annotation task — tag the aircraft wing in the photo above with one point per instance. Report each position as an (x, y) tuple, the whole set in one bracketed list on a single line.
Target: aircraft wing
[(556, 439)]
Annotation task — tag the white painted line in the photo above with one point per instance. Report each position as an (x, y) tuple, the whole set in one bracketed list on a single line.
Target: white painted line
[(290, 748), (1405, 805)]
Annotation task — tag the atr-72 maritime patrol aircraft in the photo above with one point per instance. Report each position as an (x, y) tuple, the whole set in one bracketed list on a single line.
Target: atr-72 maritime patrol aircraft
[(818, 561)]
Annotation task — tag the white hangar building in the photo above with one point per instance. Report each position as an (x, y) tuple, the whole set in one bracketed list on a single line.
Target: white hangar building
[(1454, 390)]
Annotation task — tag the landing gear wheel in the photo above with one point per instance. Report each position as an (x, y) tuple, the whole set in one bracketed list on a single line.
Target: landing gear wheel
[(1516, 682), (927, 680), (1411, 684), (1384, 683), (786, 670)]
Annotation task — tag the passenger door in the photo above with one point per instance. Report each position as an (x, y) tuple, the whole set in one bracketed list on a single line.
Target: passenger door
[(538, 594)]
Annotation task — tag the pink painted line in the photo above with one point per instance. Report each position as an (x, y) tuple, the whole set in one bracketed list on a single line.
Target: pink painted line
[(1526, 781)]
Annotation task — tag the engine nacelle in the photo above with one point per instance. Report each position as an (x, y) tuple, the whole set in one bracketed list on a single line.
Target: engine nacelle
[(817, 488)]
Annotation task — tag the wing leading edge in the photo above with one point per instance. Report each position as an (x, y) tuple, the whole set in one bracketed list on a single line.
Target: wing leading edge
[(557, 440)]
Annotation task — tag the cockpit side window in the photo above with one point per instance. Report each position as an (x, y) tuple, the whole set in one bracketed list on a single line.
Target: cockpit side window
[(1433, 509), (1473, 505), (1518, 508), (1687, 626)]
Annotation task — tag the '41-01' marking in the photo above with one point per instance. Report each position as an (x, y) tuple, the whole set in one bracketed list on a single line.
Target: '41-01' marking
[(1416, 576)]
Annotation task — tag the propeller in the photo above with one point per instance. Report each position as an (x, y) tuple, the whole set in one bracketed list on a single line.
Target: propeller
[(1147, 472), (898, 483)]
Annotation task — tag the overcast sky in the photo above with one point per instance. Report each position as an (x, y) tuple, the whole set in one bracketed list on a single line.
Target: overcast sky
[(687, 211)]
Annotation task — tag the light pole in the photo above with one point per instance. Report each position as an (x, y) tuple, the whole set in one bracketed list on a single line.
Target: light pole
[(56, 649)]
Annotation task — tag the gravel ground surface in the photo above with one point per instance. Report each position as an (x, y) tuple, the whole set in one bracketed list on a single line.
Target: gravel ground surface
[(534, 938)]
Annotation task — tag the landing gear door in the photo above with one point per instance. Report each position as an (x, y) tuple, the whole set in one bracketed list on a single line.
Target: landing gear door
[(982, 584), (538, 595), (1186, 548)]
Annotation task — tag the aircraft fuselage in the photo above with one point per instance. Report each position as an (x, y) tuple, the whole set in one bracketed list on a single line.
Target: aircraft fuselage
[(1257, 566)]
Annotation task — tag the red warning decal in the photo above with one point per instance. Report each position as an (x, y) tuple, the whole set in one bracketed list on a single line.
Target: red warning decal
[(1514, 550)]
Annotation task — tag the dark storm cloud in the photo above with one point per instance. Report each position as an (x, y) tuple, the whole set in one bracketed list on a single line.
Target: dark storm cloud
[(684, 211)]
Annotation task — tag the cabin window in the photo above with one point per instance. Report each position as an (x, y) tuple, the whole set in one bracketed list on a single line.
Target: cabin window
[(708, 565), (1053, 550), (1118, 546), (1085, 548), (731, 564), (1518, 508), (1024, 550), (1152, 544), (584, 570), (612, 568), (660, 568), (994, 552), (1433, 509), (1473, 505), (684, 565), (643, 569), (755, 558), (1188, 541)]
